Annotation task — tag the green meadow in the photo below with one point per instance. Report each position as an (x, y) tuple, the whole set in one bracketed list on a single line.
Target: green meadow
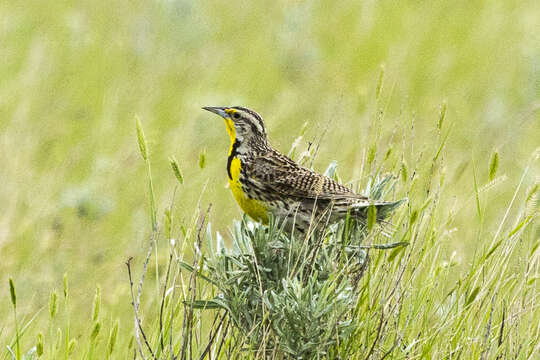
[(442, 96)]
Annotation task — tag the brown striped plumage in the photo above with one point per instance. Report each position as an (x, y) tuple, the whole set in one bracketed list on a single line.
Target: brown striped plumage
[(282, 186)]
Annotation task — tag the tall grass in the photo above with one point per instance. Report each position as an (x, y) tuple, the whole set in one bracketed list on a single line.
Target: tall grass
[(452, 114), (368, 292), (278, 296)]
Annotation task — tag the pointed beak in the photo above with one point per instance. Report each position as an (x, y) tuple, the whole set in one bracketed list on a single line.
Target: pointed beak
[(217, 110)]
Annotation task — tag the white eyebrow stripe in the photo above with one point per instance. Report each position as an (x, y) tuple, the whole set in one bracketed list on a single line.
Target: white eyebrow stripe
[(255, 118)]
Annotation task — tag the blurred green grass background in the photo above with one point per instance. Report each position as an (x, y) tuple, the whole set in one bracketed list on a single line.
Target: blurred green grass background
[(74, 75)]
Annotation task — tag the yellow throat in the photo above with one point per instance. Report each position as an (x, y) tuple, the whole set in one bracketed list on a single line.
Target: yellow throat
[(254, 208)]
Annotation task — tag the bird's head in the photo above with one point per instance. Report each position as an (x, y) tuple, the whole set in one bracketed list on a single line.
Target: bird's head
[(243, 125)]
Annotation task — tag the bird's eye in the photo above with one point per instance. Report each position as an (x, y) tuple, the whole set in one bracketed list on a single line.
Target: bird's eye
[(236, 115)]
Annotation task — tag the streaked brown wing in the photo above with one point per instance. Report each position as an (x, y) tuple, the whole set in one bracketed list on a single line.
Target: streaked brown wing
[(276, 172)]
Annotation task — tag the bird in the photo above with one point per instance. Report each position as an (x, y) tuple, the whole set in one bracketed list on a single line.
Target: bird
[(266, 183)]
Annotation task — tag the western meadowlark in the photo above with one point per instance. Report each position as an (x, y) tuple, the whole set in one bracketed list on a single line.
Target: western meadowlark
[(264, 181)]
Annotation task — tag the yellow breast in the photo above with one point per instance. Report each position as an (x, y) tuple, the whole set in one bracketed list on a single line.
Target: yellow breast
[(254, 208)]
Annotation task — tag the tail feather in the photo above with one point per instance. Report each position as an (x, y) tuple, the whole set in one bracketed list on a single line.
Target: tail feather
[(384, 208)]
